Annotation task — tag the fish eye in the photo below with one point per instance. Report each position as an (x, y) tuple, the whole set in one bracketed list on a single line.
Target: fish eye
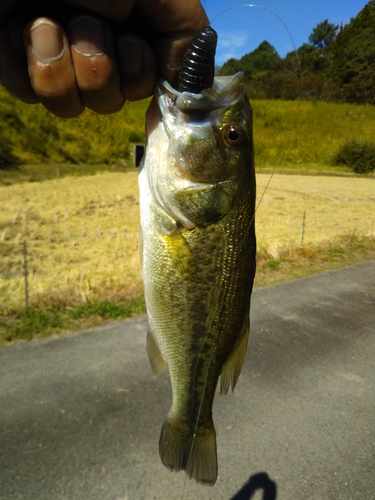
[(234, 135)]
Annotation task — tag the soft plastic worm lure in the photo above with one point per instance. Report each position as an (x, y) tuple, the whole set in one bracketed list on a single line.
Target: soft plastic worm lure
[(198, 64)]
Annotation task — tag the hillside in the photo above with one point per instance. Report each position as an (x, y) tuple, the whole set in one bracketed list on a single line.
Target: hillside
[(336, 64), (289, 134), (29, 134)]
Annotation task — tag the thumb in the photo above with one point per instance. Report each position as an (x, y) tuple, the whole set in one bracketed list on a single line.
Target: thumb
[(175, 23)]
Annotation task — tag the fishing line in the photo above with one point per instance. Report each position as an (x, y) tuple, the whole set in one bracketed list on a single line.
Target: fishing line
[(238, 6)]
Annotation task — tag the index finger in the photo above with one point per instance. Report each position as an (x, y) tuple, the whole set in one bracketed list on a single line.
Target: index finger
[(174, 22)]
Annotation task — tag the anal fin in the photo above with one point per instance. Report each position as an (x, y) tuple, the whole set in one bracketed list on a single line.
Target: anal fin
[(154, 354), (233, 366)]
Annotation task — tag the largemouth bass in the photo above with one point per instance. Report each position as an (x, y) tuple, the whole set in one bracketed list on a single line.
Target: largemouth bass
[(197, 246)]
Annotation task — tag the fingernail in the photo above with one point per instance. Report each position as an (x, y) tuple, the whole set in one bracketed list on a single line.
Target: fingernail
[(88, 36), (47, 40), (130, 55)]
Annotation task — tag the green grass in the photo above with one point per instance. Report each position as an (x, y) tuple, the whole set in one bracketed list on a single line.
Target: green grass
[(295, 137), (310, 168), (42, 323), (289, 135), (297, 262), (306, 135), (31, 135), (109, 310), (294, 263), (47, 171)]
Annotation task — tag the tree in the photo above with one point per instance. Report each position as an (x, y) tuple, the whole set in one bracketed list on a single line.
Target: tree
[(359, 71), (263, 58), (7, 158), (336, 64), (231, 67), (352, 57), (323, 35)]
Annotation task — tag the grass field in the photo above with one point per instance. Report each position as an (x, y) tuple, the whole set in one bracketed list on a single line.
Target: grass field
[(81, 236), (333, 207), (293, 134), (74, 200), (307, 134), (82, 233)]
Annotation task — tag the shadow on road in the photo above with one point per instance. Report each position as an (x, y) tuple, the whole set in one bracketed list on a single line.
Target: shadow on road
[(259, 481)]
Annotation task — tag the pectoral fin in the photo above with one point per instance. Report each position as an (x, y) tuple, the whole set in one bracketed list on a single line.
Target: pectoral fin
[(180, 255), (179, 252), (154, 354), (233, 367)]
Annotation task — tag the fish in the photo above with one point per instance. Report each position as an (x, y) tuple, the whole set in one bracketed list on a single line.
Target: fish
[(197, 247)]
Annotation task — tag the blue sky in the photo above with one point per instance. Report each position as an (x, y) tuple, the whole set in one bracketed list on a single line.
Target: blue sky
[(242, 30)]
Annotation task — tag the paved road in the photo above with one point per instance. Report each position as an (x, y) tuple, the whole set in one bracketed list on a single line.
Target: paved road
[(80, 415)]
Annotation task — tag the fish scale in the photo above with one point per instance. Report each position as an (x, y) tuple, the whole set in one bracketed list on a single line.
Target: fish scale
[(198, 258)]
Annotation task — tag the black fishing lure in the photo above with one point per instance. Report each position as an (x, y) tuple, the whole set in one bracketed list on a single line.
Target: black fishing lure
[(198, 64)]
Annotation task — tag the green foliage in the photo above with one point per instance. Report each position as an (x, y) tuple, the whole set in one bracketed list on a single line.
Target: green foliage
[(44, 322), (298, 134), (263, 59), (358, 155), (29, 134), (10, 124), (323, 35), (34, 322), (352, 58), (276, 264), (109, 310), (7, 157), (358, 72), (46, 171), (292, 134), (336, 65), (349, 249)]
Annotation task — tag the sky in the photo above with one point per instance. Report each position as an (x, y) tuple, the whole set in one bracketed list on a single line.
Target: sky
[(242, 30)]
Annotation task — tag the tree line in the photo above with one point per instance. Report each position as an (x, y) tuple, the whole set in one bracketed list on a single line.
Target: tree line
[(337, 64)]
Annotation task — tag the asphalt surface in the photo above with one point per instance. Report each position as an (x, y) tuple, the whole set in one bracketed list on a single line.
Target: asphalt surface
[(80, 414)]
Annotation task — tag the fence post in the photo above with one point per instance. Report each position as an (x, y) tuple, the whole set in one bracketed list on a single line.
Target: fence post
[(303, 227), (26, 273)]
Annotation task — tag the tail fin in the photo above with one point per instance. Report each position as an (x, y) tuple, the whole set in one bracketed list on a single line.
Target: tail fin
[(195, 454)]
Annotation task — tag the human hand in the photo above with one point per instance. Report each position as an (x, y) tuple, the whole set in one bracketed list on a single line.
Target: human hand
[(72, 54)]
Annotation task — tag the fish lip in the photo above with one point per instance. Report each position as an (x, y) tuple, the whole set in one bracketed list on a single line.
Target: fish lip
[(225, 92)]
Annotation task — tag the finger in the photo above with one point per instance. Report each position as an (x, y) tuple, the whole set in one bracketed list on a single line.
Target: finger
[(6, 7), (177, 23), (94, 64), (51, 69), (13, 63), (138, 67), (117, 10)]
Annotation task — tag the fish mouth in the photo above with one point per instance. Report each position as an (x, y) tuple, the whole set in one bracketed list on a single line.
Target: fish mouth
[(225, 92)]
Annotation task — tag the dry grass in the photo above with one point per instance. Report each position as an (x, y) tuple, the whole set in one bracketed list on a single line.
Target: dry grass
[(334, 206), (82, 232), (81, 236)]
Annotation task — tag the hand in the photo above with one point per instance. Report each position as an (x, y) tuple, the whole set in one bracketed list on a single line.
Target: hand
[(92, 53)]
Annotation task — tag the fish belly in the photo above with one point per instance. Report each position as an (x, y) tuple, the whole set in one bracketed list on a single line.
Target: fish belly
[(197, 289)]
